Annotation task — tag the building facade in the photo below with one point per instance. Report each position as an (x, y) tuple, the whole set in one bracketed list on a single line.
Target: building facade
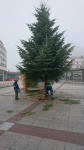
[(3, 62), (78, 62), (77, 69)]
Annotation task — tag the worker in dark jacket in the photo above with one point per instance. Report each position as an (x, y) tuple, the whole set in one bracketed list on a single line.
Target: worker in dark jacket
[(16, 89)]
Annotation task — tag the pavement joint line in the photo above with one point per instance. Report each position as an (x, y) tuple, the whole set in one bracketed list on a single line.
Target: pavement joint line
[(15, 142), (39, 144)]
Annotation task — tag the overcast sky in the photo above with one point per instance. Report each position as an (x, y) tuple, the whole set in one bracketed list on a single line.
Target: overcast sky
[(14, 14)]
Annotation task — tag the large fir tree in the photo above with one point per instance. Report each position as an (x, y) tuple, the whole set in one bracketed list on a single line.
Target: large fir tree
[(45, 56)]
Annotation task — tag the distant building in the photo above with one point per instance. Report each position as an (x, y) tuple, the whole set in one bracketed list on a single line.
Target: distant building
[(78, 62), (3, 62), (77, 69), (13, 75)]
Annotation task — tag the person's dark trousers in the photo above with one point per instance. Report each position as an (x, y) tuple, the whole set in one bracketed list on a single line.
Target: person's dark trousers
[(16, 95), (49, 88)]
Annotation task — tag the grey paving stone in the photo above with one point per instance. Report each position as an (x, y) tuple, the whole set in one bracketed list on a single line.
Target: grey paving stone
[(82, 101), (76, 106), (76, 111), (72, 90), (62, 108), (80, 114), (45, 118), (47, 144), (38, 108), (27, 142), (27, 120), (2, 148), (59, 124), (76, 118), (61, 115), (46, 115), (70, 146), (42, 123), (4, 117), (7, 139), (76, 126)]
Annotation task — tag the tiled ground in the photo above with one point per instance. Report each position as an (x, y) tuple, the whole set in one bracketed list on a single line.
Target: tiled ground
[(60, 128)]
